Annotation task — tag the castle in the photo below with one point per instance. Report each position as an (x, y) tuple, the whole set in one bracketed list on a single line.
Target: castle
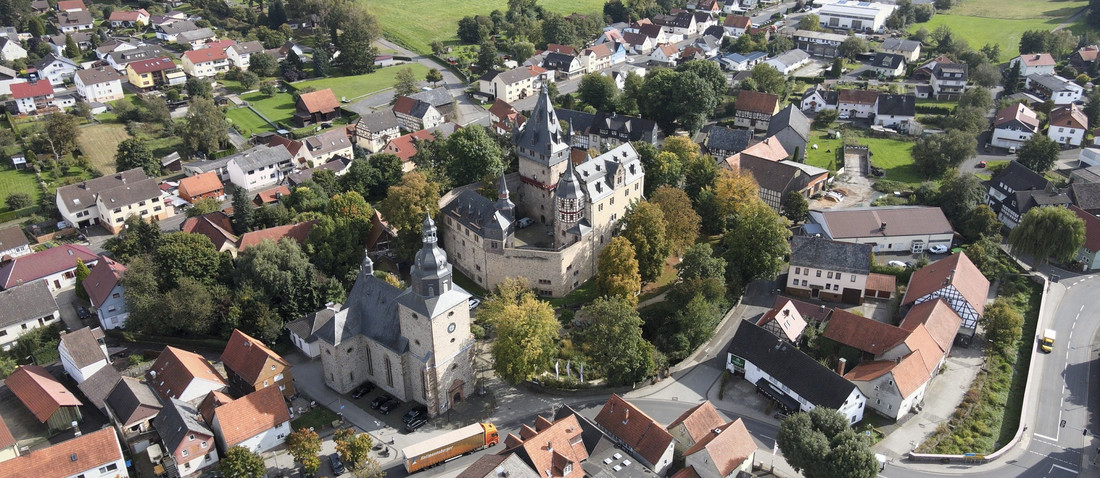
[(574, 208)]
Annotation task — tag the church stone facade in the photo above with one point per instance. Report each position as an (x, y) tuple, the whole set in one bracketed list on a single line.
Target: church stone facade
[(577, 204), (414, 343)]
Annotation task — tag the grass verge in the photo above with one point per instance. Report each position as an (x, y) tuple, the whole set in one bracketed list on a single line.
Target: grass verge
[(14, 181), (354, 87), (318, 419)]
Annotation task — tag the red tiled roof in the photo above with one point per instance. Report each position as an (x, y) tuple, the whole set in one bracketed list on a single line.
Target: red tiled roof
[(921, 340), (728, 447), (881, 282), (699, 420), (859, 97), (757, 102), (868, 371), (688, 472), (956, 270), (31, 89), (737, 21), (631, 425), (767, 150), (269, 196), (247, 356), (142, 67), (1018, 112), (404, 146), (937, 316), (105, 275), (1037, 59), (22, 270), (200, 184), (175, 369), (321, 101), (1092, 228), (555, 445), (868, 335), (92, 451), (212, 401), (127, 15), (39, 391), (910, 373), (563, 49), (806, 309), (298, 232), (6, 438), (214, 225), (65, 5), (251, 415), (204, 55)]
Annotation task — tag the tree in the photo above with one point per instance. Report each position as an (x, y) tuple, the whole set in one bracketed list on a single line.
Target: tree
[(406, 82), (821, 444), (988, 257), (437, 47), (204, 206), (335, 243), (699, 174), (935, 154), (18, 201), (981, 222), (186, 255), (276, 14), (851, 47), (368, 467), (205, 128), (825, 118), (969, 119), (1002, 324), (1012, 78), (1046, 232), (599, 91), (62, 131), (923, 13), (958, 195), (709, 71), (138, 237), (978, 97), (353, 447), (263, 64), (729, 194), (613, 340), (322, 61), (676, 99), (72, 50), (305, 446), (471, 154), (756, 247), (645, 228), (242, 211), (1038, 153), (198, 87), (134, 153), (359, 29), (248, 80), (282, 278), (433, 76), (82, 272), (617, 270), (240, 462), (189, 307), (681, 222), (795, 207), (486, 56), (768, 80), (810, 21), (527, 332), (986, 74), (406, 205)]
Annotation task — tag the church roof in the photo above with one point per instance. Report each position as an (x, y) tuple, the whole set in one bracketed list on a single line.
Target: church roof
[(568, 186), (370, 310)]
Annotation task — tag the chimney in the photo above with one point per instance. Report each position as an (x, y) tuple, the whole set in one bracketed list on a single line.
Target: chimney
[(840, 366), (549, 446), (882, 227), (626, 416)]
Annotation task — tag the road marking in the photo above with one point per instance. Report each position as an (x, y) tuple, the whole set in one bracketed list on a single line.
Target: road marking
[(1052, 467), (1046, 437)]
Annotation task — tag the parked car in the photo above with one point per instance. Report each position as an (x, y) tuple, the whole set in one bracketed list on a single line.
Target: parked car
[(336, 464), (363, 389), (416, 423), (896, 264), (414, 412), (83, 313), (474, 302), (389, 406), (982, 164), (524, 222), (938, 249), (379, 400)]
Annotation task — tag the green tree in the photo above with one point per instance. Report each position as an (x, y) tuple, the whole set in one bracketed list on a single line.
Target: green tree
[(276, 14), (18, 200), (198, 87), (967, 118), (284, 280), (767, 79), (699, 174), (82, 272), (756, 247), (471, 154), (1046, 232), (599, 91), (613, 340), (368, 467), (263, 64), (205, 128), (1002, 324), (1012, 79), (986, 75), (981, 222), (795, 207), (851, 47), (810, 22), (676, 99), (958, 195), (335, 245), (248, 80), (242, 211), (988, 257), (353, 447), (700, 263), (686, 329), (72, 50), (305, 446), (681, 222), (184, 254), (62, 131), (356, 41), (437, 47), (406, 82), (189, 307), (935, 154), (1039, 153), (825, 118), (240, 462), (204, 206), (821, 444), (322, 61), (664, 170), (617, 270), (134, 153), (143, 297), (708, 71), (433, 76), (978, 97), (645, 229), (137, 238), (527, 333), (487, 55)]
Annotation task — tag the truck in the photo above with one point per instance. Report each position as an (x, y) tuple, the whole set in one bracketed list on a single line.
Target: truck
[(446, 447), (1046, 343)]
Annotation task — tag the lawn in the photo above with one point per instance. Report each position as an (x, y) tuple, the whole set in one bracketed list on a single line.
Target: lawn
[(247, 122), (1018, 9), (318, 419), (354, 87), (892, 155), (13, 181), (277, 108), (416, 23), (99, 142)]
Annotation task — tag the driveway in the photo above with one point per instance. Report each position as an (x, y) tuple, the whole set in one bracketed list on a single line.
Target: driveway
[(67, 302)]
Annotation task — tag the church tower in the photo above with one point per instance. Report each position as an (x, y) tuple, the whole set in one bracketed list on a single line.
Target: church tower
[(543, 149), (431, 273), (569, 207)]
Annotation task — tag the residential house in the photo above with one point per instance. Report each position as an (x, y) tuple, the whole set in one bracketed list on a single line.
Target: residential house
[(786, 375), (819, 44), (258, 421), (595, 58), (767, 150), (562, 49), (316, 107), (13, 242), (56, 266), (567, 67), (1088, 254), (270, 196), (1084, 58), (57, 69), (703, 21), (196, 38), (169, 31), (259, 167), (132, 406), (46, 398), (857, 103), (217, 227), (105, 48), (1013, 126), (106, 293), (71, 6), (948, 80), (70, 22), (777, 178), (324, 147), (250, 366), (374, 130), (736, 25), (792, 129), (11, 50), (186, 376), (816, 99), (856, 16), (33, 98), (666, 54), (1055, 88), (896, 111), (637, 433), (1068, 125), (789, 61), (404, 147), (201, 186), (957, 281), (121, 57), (828, 270), (26, 307), (909, 49), (154, 73), (739, 62), (240, 54), (694, 425), (911, 229), (109, 200), (609, 130), (440, 99), (1032, 63), (1086, 195), (727, 451), (298, 231), (639, 44), (415, 114), (503, 117), (683, 23), (83, 352), (9, 77), (129, 18), (205, 62), (1016, 189), (723, 142), (303, 331), (510, 86), (889, 65), (98, 85), (186, 437), (784, 321), (95, 455), (754, 110)]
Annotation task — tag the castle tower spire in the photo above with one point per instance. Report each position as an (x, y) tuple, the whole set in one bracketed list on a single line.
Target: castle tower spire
[(504, 204), (569, 203)]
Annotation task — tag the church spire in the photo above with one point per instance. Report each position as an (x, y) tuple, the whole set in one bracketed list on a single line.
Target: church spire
[(431, 273)]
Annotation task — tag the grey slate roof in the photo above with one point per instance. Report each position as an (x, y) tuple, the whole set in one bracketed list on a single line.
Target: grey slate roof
[(370, 310), (900, 44), (717, 32), (29, 301), (831, 97), (438, 97), (822, 253), (580, 121), (260, 156), (1086, 195), (144, 52), (133, 401), (83, 345), (130, 193), (793, 368), (597, 174), (248, 47), (897, 105), (12, 237), (887, 60), (176, 421), (509, 77), (790, 117), (82, 195), (192, 35), (1017, 177), (178, 27), (1051, 82), (722, 138), (558, 61), (379, 121), (478, 213), (542, 132), (622, 127), (98, 386), (307, 327), (50, 58)]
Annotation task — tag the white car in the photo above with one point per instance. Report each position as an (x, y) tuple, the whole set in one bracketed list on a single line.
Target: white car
[(897, 264), (938, 249), (524, 222), (474, 302)]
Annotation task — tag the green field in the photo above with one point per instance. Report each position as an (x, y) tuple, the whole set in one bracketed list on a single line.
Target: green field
[(416, 23), (355, 87), (277, 108), (99, 143), (893, 156), (246, 121), (1018, 9), (12, 181)]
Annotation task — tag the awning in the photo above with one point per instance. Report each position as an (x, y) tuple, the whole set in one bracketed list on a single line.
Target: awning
[(786, 401)]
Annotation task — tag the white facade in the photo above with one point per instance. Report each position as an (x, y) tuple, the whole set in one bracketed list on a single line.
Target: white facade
[(58, 71), (1010, 136), (311, 349), (12, 51), (852, 408), (199, 462), (260, 442), (10, 334), (204, 69), (79, 374), (1036, 63), (99, 92), (1090, 156), (1066, 135), (884, 396), (253, 179), (832, 282), (197, 389), (853, 15)]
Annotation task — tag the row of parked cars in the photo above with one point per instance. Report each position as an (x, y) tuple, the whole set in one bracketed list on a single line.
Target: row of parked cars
[(385, 403)]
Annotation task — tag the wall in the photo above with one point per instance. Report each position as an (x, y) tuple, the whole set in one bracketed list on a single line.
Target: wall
[(10, 334)]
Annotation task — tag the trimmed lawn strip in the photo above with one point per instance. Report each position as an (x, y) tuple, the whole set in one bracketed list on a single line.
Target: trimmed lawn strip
[(247, 122), (15, 181), (354, 87), (277, 108), (892, 155), (317, 419), (1018, 9), (100, 142)]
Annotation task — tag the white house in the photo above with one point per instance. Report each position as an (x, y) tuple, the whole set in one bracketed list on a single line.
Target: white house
[(258, 421), (896, 111), (106, 293), (94, 455), (909, 49), (640, 435), (1032, 63), (12, 240), (10, 49), (910, 229), (855, 15), (739, 62), (737, 25), (98, 85), (857, 103), (26, 307), (185, 437), (510, 86), (57, 265), (69, 22), (9, 77), (1059, 90), (834, 271), (816, 99), (790, 61), (83, 352), (240, 54), (31, 97), (56, 69), (1013, 126), (665, 54), (889, 65), (1068, 125), (205, 62), (259, 167), (303, 332)]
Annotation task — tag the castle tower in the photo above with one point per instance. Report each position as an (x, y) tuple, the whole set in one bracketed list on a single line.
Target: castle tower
[(431, 273), (568, 207), (505, 205), (543, 150)]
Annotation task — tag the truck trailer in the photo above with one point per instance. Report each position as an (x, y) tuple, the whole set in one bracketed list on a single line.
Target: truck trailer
[(449, 446)]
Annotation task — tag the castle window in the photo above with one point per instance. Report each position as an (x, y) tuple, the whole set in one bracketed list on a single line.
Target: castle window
[(370, 362), (477, 267), (544, 281)]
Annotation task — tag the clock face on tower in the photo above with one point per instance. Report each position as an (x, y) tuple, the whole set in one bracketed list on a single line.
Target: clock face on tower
[(451, 327)]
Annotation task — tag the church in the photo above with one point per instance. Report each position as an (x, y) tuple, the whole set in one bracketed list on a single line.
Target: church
[(574, 207), (414, 343)]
